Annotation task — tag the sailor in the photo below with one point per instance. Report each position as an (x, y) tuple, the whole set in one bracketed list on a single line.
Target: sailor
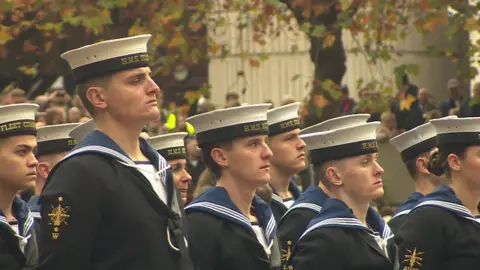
[(100, 208), (172, 147), (347, 233), (53, 144), (18, 247), (441, 232), (288, 156), (229, 226), (415, 147), (295, 220)]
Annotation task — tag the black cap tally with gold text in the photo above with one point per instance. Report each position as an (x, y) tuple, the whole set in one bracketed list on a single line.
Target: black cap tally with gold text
[(342, 143), (18, 119), (55, 139), (171, 146), (227, 124)]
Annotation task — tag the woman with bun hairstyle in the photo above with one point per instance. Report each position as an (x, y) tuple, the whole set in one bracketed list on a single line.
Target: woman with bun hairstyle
[(441, 232)]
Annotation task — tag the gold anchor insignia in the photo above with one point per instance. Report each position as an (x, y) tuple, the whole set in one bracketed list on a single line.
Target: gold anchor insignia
[(58, 216), (413, 259), (287, 253)]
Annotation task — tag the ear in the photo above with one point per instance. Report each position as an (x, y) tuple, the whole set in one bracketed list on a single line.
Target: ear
[(219, 156), (43, 169), (333, 176), (454, 162), (96, 96), (421, 165)]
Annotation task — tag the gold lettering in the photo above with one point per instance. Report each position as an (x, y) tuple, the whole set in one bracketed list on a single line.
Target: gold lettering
[(176, 151), (144, 57), (29, 124), (72, 142), (55, 236), (11, 126), (289, 123), (369, 145), (130, 60), (255, 127)]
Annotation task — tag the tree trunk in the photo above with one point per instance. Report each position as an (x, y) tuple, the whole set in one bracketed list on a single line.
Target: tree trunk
[(329, 62)]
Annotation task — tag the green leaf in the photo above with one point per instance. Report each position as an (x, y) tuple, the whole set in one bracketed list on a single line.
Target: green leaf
[(318, 30), (295, 77), (6, 6)]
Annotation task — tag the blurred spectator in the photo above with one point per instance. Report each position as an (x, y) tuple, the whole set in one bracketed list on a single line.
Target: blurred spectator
[(74, 115), (288, 99), (42, 101), (232, 99), (55, 116), (18, 96), (451, 106), (388, 127), (471, 107), (420, 109)]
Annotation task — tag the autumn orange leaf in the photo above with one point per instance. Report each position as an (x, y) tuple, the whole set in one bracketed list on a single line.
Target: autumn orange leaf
[(423, 4), (328, 40), (253, 62)]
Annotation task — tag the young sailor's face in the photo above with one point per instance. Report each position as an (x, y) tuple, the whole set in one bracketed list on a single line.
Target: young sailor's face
[(288, 151), (249, 159), (468, 167), (18, 165), (362, 177), (132, 96), (180, 176)]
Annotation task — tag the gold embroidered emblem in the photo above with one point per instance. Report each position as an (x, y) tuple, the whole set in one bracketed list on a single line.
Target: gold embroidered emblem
[(58, 216), (413, 259), (286, 253)]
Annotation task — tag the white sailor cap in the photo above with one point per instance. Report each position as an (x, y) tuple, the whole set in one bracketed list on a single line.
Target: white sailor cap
[(283, 119), (337, 122), (55, 139), (18, 119), (415, 141), (81, 131), (342, 142), (227, 124), (457, 130), (170, 146), (108, 57)]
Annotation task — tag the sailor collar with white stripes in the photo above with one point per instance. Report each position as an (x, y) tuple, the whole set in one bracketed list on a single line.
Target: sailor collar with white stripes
[(216, 201), (312, 199), (34, 206), (98, 142), (336, 214), (407, 206), (25, 222), (444, 197), (292, 187)]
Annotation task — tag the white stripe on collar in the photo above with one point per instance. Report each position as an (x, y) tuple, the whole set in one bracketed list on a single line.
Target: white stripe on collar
[(350, 222), (221, 210), (453, 206), (162, 173), (225, 211), (277, 198), (26, 226), (36, 215), (311, 206), (402, 213)]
